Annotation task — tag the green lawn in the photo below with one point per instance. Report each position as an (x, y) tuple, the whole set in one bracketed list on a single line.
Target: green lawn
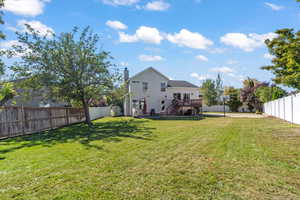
[(124, 158)]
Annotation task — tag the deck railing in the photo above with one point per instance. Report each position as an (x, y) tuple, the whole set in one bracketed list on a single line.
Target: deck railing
[(190, 102)]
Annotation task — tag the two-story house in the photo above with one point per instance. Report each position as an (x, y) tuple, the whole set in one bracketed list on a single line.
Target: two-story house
[(151, 92)]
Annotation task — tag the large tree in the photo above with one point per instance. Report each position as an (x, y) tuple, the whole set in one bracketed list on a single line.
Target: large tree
[(269, 93), (286, 62), (219, 88), (234, 98), (249, 96), (209, 92), (2, 36), (7, 91), (70, 66)]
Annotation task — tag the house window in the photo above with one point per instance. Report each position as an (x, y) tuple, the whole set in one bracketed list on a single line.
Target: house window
[(145, 86), (135, 82), (163, 87), (177, 96), (186, 97)]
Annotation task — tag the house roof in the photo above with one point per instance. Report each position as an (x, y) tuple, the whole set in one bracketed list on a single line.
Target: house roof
[(149, 69), (175, 83)]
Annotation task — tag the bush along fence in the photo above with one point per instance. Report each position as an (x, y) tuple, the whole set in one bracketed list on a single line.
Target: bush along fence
[(287, 108), (17, 121)]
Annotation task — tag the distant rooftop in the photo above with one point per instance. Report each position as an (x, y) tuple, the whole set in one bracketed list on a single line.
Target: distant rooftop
[(174, 83)]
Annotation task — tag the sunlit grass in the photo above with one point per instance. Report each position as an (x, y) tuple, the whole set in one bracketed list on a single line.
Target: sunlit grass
[(125, 158)]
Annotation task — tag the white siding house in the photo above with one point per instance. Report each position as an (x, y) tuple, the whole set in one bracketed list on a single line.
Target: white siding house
[(152, 92)]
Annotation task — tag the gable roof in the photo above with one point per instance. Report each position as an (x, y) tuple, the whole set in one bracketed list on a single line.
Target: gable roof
[(149, 69), (174, 83)]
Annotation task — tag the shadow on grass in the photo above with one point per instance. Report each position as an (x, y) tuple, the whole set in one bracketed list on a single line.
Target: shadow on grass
[(213, 115), (181, 118), (107, 131)]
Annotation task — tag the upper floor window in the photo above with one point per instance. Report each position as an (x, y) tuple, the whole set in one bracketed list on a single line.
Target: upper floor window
[(145, 86), (177, 96), (163, 87), (186, 96)]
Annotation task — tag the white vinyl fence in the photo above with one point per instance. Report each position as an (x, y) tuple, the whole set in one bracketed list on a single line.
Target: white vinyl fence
[(220, 108), (287, 108), (109, 111), (216, 108)]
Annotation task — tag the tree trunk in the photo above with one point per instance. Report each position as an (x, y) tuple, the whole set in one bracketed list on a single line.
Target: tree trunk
[(87, 113)]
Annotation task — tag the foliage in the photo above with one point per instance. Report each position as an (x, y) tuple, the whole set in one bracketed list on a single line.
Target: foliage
[(70, 65), (248, 94), (219, 88), (7, 92), (212, 91), (269, 93), (286, 62), (234, 98), (209, 92), (116, 96), (2, 36)]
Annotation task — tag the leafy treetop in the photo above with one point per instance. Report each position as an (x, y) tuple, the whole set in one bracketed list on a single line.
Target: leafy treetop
[(69, 65)]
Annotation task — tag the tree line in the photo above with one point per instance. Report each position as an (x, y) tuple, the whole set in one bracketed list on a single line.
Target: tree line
[(253, 94), (68, 67), (285, 50)]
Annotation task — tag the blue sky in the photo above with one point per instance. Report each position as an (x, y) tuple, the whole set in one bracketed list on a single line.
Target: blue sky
[(186, 40)]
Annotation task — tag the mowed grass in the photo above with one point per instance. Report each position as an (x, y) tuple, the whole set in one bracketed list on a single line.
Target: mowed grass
[(125, 158)]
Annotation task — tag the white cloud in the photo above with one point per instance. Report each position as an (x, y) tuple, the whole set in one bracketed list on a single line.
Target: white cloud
[(125, 38), (120, 2), (232, 62), (150, 58), (201, 77), (159, 5), (9, 44), (124, 64), (153, 49), (36, 25), (246, 42), (25, 7), (116, 25), (268, 56), (274, 6), (189, 39), (202, 58), (225, 70), (217, 50), (144, 34), (237, 76)]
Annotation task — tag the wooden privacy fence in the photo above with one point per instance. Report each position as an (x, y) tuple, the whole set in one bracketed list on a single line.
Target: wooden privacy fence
[(16, 121)]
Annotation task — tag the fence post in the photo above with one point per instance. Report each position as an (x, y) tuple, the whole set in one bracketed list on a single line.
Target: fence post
[(284, 108), (50, 118), (23, 119), (68, 120), (292, 108)]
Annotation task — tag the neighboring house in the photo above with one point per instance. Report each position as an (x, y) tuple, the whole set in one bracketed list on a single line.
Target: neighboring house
[(151, 92), (33, 98)]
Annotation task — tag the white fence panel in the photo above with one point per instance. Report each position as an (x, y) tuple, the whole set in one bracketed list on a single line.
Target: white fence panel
[(218, 108), (296, 108), (98, 112), (287, 108)]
